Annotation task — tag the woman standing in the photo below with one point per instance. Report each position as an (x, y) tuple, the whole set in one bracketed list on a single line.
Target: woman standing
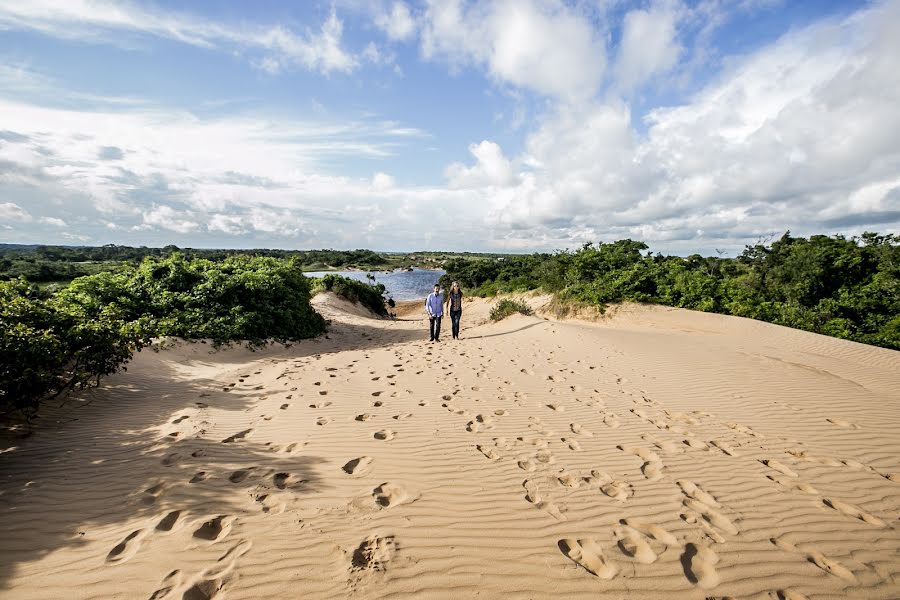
[(454, 302)]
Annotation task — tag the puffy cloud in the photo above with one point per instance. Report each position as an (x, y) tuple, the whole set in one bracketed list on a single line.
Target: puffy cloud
[(167, 217), (800, 135), (10, 211), (544, 47), (491, 168), (398, 24), (382, 181), (53, 221), (648, 47)]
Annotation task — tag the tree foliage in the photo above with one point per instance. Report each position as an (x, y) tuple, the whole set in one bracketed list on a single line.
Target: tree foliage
[(50, 343), (847, 288), (369, 295)]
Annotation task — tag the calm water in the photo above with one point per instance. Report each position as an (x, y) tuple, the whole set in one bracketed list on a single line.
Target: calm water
[(401, 285)]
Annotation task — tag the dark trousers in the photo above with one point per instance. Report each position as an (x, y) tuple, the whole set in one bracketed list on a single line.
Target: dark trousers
[(434, 324), (454, 321)]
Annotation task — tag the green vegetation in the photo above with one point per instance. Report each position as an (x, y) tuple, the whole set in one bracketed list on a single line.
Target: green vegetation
[(61, 264), (506, 307), (846, 288), (370, 296), (53, 342)]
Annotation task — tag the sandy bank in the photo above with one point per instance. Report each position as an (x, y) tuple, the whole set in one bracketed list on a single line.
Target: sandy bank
[(655, 452)]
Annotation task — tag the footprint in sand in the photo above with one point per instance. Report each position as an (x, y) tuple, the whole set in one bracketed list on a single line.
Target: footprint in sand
[(323, 421), (237, 436), (384, 435), (611, 420), (293, 447), (666, 446), (215, 528), (390, 494), (696, 444), (843, 423), (828, 565), (169, 583), (180, 419), (557, 407), (725, 447), (573, 444), (699, 563), (615, 489), (152, 493), (793, 485), (170, 459), (526, 465), (533, 496), (282, 480), (320, 405), (240, 475), (358, 466), (126, 548), (569, 480), (854, 511), (781, 468), (284, 406), (632, 543), (692, 490), (373, 554), (579, 430), (489, 453), (652, 531), (169, 522), (711, 516), (198, 477), (363, 417), (588, 554)]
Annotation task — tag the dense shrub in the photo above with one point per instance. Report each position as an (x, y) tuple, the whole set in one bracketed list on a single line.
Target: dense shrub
[(369, 295), (50, 343), (507, 307), (48, 346), (848, 288)]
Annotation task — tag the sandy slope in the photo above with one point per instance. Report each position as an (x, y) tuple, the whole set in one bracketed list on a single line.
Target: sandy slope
[(660, 453)]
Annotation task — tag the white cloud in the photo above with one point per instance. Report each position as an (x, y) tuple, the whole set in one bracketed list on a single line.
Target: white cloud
[(491, 168), (53, 221), (648, 47), (544, 47), (801, 135), (110, 22), (398, 24), (382, 181), (167, 217), (9, 211)]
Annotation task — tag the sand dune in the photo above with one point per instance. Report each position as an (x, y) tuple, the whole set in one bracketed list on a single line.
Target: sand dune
[(654, 453)]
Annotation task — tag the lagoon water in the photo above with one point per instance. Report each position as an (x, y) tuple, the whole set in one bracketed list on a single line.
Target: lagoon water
[(400, 285)]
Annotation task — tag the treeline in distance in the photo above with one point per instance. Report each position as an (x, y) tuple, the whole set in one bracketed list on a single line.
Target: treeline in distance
[(846, 288)]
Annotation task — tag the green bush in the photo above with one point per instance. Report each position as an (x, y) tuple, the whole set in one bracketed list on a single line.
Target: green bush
[(506, 307), (369, 295), (50, 343), (48, 346), (847, 288)]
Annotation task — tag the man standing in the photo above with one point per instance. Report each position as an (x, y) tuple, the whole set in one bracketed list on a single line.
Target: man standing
[(434, 306)]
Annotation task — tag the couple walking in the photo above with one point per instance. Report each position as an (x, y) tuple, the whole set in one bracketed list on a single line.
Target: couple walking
[(434, 306)]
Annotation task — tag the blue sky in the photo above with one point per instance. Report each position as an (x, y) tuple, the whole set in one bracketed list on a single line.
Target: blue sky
[(514, 125)]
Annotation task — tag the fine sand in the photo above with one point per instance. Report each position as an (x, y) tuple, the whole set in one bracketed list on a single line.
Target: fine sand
[(654, 453)]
